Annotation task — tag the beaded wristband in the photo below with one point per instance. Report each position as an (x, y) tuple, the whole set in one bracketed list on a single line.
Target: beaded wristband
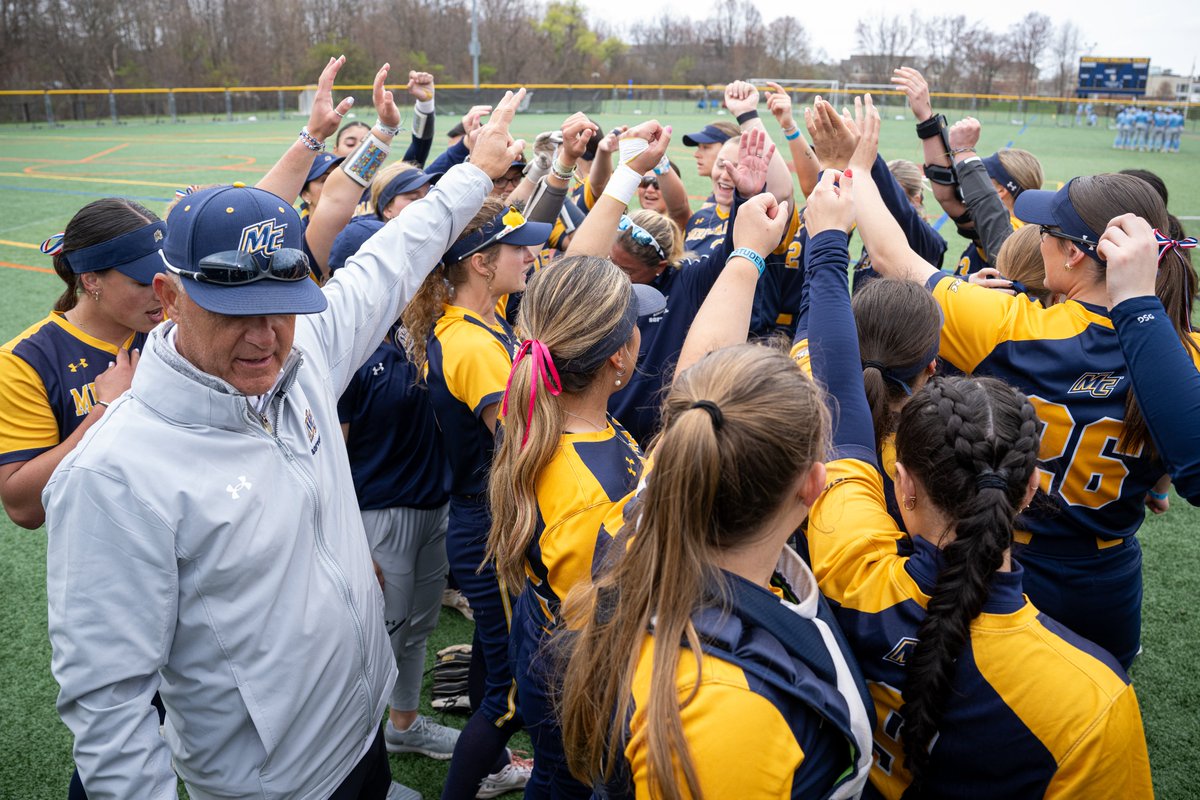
[(365, 161), (388, 129), (751, 256), (561, 172), (311, 141)]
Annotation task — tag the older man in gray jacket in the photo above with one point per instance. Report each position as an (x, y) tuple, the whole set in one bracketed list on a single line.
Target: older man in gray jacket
[(204, 539)]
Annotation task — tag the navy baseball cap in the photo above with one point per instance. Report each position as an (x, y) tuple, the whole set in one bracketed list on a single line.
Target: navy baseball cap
[(137, 254), (239, 251), (507, 227), (323, 164), (710, 135), (408, 181), (1054, 210)]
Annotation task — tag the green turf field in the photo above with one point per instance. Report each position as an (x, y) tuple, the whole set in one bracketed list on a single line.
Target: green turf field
[(47, 174)]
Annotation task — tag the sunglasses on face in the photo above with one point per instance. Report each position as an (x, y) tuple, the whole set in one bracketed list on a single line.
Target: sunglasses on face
[(1046, 230), (640, 235), (649, 181), (235, 268)]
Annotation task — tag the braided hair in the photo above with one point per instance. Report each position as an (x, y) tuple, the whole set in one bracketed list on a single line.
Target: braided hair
[(972, 443)]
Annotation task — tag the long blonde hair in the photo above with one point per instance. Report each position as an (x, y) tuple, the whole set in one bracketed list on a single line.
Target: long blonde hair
[(569, 307), (665, 232), (719, 474), (425, 308)]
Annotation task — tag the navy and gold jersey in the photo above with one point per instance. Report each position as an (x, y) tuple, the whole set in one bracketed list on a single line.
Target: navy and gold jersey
[(1034, 710), (589, 475), (47, 384), (705, 230), (394, 445), (469, 363), (1068, 360)]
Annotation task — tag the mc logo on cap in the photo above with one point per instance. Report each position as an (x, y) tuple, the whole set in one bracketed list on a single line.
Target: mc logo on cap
[(262, 237)]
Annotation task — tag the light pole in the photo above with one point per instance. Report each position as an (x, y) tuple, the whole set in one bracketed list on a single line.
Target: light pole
[(474, 46)]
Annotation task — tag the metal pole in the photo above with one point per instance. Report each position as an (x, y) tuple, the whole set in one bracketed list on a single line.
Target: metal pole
[(282, 114), (171, 107), (49, 111), (228, 106), (474, 46), (112, 108)]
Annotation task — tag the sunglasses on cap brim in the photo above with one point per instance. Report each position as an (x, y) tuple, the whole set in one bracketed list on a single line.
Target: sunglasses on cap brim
[(235, 268)]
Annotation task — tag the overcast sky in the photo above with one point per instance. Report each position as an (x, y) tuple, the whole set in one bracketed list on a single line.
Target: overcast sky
[(1167, 31)]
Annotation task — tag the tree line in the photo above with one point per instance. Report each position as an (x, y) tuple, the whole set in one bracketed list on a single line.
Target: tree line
[(49, 44)]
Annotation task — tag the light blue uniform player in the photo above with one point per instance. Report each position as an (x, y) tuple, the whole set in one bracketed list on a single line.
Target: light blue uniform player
[(1175, 131)]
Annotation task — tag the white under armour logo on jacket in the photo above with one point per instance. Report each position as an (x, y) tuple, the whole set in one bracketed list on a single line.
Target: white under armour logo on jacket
[(233, 489)]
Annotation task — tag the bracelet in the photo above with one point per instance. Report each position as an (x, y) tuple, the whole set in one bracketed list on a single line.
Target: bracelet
[(662, 166), (390, 130), (742, 119), (311, 142), (931, 127), (105, 403), (623, 184), (751, 256), (959, 150), (795, 134), (1156, 495), (367, 158), (562, 173)]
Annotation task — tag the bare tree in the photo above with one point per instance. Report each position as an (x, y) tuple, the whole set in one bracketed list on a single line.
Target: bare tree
[(885, 43), (1029, 39), (787, 46), (1068, 46)]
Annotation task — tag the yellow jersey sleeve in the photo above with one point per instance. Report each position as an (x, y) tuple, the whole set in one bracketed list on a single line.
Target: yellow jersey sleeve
[(1110, 760), (801, 356), (975, 319), (29, 426), (793, 228), (476, 369), (852, 540)]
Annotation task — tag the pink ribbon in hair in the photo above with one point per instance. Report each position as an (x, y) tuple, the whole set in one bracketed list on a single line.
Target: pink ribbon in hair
[(1166, 244), (544, 372)]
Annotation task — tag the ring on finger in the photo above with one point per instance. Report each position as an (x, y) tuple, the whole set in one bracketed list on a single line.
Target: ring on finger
[(339, 113)]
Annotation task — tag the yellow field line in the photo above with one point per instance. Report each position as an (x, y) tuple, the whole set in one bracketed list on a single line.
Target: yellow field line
[(20, 244), (81, 179)]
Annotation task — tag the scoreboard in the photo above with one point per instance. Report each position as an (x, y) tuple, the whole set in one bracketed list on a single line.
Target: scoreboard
[(1113, 75)]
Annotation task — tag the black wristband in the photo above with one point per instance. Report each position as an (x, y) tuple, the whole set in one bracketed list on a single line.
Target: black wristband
[(742, 119), (946, 176), (931, 127)]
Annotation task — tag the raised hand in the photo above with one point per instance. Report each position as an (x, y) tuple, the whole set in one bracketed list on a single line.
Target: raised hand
[(760, 224), (832, 138), (866, 120), (325, 117), (385, 101), (493, 149), (780, 104), (420, 85), (914, 86), (611, 142), (1130, 249), (831, 204), (740, 97), (577, 130), (964, 134), (115, 380), (754, 157), (471, 122), (644, 157)]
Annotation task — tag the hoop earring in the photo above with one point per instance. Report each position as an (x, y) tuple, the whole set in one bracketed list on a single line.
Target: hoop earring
[(910, 503)]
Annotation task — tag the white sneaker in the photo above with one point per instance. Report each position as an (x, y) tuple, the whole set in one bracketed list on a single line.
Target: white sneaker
[(512, 778), (424, 736), (398, 791)]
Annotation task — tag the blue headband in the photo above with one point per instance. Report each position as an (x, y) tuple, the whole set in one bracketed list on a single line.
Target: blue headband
[(997, 172), (585, 363), (119, 251)]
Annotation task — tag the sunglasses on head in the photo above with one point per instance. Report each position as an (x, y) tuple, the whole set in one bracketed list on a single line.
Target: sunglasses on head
[(649, 180), (640, 235), (235, 268)]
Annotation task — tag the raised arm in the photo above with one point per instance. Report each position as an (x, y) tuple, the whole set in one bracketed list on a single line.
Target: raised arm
[(1162, 371), (457, 153), (286, 178), (741, 98), (366, 297), (342, 192), (420, 86), (804, 160), (602, 163), (758, 225), (890, 254), (914, 86), (639, 150), (989, 217), (832, 333)]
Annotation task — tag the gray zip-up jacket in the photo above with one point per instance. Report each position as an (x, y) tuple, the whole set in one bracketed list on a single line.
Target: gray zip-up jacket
[(217, 555)]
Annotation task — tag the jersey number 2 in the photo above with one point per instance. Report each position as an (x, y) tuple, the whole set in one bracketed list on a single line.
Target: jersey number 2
[(1091, 471)]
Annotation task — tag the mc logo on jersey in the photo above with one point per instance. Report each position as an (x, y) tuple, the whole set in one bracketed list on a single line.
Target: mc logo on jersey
[(262, 237), (901, 652), (1097, 384)]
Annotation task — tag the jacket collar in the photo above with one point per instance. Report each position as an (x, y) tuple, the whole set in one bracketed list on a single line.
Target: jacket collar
[(1004, 592), (175, 389)]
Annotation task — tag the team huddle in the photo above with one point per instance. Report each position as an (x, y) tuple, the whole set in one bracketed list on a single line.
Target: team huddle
[(736, 512)]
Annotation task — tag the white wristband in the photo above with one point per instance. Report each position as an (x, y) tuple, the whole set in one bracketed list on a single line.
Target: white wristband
[(424, 106), (623, 184), (631, 148)]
